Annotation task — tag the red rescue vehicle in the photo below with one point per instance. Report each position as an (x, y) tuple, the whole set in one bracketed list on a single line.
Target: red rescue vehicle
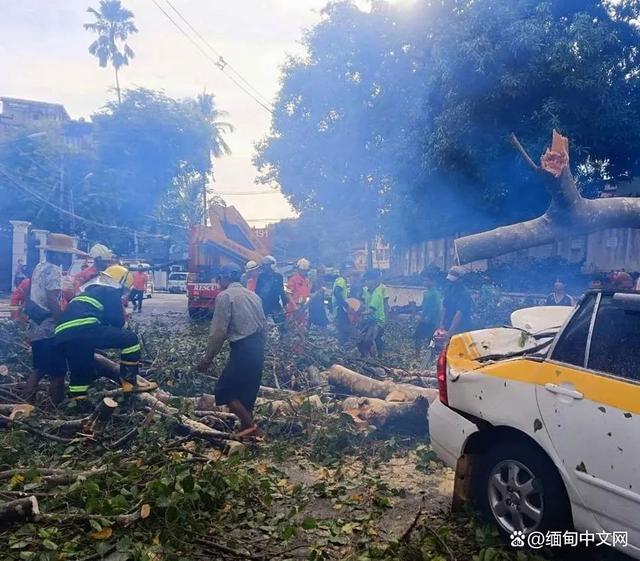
[(229, 239)]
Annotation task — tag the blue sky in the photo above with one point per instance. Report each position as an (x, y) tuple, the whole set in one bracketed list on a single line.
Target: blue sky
[(43, 56)]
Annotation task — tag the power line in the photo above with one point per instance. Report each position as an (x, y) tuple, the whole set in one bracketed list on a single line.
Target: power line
[(230, 193), (267, 219), (222, 63), (27, 190), (215, 63)]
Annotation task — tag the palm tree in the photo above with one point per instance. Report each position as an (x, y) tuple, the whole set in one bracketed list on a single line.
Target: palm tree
[(205, 106), (113, 25)]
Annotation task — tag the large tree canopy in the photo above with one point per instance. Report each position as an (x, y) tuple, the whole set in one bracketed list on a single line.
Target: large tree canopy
[(397, 119), (144, 169)]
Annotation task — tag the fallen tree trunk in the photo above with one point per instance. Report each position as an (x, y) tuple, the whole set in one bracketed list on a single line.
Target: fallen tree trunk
[(18, 511), (350, 382), (409, 417), (569, 214)]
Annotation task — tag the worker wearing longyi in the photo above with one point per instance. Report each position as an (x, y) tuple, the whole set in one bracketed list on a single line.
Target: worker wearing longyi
[(95, 320), (238, 316)]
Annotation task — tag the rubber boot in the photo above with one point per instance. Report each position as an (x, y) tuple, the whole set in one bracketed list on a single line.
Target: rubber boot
[(131, 381)]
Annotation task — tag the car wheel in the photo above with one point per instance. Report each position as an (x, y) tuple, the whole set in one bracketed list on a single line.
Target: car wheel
[(519, 489)]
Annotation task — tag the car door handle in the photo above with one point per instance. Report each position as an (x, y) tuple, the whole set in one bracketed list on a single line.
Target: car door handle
[(561, 390)]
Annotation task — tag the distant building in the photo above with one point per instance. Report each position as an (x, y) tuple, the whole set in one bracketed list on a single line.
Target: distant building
[(380, 256), (17, 114)]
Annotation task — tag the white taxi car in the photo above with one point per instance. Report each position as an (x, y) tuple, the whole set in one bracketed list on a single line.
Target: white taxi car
[(544, 428)]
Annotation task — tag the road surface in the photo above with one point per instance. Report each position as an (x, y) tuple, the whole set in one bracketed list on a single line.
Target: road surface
[(171, 308)]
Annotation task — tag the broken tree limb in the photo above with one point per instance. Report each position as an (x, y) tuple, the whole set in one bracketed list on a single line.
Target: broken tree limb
[(408, 417), (18, 511), (568, 215), (8, 422), (219, 439), (350, 382), (54, 476)]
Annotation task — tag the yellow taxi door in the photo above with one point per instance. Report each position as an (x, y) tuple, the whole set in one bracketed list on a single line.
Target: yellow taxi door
[(589, 400)]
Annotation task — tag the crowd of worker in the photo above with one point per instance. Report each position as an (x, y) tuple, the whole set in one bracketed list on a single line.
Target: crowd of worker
[(70, 318)]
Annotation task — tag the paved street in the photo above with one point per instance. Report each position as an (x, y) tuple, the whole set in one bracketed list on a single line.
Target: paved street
[(163, 307)]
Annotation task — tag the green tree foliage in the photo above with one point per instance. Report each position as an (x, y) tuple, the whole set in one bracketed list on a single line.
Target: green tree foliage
[(113, 24), (144, 167), (397, 119)]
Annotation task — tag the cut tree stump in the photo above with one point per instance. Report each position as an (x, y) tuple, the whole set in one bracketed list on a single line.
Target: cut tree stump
[(408, 417), (102, 415), (18, 511)]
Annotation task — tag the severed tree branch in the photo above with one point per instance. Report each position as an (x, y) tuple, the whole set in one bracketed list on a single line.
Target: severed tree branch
[(568, 215)]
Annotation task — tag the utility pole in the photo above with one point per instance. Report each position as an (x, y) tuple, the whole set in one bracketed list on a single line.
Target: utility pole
[(72, 210), (205, 209), (62, 205)]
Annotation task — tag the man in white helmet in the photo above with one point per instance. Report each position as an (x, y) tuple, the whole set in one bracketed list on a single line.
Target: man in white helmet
[(102, 257), (299, 289), (95, 320), (251, 272)]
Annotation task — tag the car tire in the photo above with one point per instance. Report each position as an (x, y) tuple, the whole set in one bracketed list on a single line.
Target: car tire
[(518, 488)]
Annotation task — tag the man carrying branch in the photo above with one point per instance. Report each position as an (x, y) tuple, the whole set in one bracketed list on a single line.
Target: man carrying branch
[(238, 316)]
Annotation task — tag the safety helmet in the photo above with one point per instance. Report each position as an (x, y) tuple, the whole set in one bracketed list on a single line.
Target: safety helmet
[(121, 275), (251, 266), (268, 261), (115, 276), (303, 264), (99, 251)]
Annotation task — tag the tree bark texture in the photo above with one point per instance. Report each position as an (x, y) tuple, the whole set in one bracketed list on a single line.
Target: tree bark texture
[(568, 215), (350, 382), (408, 417), (18, 511)]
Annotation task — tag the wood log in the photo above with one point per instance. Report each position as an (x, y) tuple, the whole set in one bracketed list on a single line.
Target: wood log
[(350, 382), (569, 215), (353, 383), (18, 511), (409, 417)]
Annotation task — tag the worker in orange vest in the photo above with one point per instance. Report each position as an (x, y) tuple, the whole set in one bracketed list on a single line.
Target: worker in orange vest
[(299, 288)]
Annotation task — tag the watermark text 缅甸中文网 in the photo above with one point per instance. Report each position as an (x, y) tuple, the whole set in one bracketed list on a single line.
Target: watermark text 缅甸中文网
[(538, 540)]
